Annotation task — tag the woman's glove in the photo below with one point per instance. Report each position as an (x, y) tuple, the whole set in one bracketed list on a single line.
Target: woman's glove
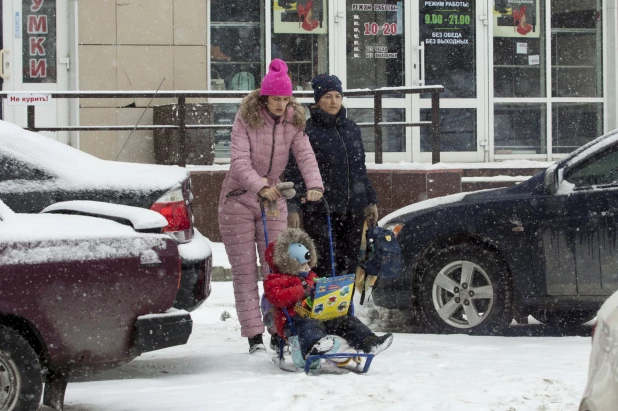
[(270, 193), (371, 213), (314, 195), (286, 189), (293, 220)]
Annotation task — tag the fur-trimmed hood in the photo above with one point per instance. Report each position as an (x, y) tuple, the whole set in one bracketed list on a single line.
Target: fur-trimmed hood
[(282, 259), (252, 111)]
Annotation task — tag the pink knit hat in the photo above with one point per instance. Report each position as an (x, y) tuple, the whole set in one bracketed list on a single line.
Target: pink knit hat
[(277, 82)]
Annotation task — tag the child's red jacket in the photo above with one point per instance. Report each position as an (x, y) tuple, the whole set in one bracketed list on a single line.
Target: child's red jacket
[(283, 291)]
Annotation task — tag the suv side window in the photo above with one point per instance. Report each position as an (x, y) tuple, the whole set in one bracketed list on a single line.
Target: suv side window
[(13, 169), (597, 171)]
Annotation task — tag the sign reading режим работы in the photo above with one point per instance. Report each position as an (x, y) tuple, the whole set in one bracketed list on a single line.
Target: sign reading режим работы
[(374, 37), (39, 41)]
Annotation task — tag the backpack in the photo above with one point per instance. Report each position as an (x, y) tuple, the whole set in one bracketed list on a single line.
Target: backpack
[(383, 255), (243, 81)]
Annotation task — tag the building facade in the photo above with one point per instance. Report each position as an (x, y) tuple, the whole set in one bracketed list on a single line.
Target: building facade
[(524, 79)]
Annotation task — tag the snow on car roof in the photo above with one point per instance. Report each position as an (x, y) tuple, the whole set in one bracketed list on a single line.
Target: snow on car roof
[(78, 169)]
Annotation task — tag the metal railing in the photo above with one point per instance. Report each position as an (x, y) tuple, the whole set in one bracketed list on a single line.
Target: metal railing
[(182, 127)]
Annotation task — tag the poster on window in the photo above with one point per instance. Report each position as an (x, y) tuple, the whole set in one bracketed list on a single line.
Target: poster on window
[(375, 44), (39, 41), (517, 18), (300, 17), (450, 24)]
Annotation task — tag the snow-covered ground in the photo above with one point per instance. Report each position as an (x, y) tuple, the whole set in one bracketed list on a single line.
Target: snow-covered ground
[(418, 372)]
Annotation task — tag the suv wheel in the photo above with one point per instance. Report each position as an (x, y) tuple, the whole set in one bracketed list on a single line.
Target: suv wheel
[(20, 373), (466, 289)]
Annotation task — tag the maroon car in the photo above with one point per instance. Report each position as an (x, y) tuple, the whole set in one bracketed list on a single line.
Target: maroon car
[(80, 294), (37, 172)]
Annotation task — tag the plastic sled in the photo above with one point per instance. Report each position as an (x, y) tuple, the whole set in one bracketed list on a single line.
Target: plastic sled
[(334, 363)]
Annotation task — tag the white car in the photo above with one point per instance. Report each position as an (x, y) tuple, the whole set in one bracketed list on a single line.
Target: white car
[(602, 389)]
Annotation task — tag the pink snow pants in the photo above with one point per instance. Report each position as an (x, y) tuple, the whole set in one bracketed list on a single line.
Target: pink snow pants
[(240, 224)]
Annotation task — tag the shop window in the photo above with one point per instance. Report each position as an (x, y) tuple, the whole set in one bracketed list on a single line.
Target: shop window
[(577, 52), (236, 45), (224, 114), (236, 58), (300, 38), (519, 48), (520, 129), (448, 34), (575, 124), (457, 130), (393, 137), (375, 43)]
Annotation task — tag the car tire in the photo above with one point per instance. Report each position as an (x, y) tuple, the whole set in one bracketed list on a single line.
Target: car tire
[(466, 289), (563, 318), (21, 383)]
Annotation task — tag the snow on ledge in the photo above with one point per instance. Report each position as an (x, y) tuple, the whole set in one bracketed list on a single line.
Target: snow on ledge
[(495, 179)]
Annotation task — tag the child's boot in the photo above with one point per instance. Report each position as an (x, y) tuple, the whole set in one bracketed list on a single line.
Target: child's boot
[(274, 342), (322, 346), (375, 345)]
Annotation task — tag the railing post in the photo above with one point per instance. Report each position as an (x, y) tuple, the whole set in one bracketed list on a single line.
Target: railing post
[(377, 119), (182, 132), (31, 125), (435, 127)]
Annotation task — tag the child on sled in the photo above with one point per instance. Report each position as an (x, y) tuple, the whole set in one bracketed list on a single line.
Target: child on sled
[(291, 281)]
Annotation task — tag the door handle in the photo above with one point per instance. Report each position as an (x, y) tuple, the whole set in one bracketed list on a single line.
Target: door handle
[(65, 60), (421, 49), (5, 72)]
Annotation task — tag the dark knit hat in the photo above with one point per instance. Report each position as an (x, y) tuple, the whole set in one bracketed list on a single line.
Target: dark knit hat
[(323, 83)]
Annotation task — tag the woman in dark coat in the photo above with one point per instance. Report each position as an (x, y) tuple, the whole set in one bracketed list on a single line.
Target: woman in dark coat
[(336, 141)]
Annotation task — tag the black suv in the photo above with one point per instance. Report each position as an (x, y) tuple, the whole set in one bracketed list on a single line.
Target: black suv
[(547, 247), (36, 171)]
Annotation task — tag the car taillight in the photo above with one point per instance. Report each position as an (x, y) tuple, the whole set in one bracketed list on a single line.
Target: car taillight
[(173, 206)]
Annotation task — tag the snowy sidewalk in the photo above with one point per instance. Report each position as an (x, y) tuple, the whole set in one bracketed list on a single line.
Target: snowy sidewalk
[(214, 371)]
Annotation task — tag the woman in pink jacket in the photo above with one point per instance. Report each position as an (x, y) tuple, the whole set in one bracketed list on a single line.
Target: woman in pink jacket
[(268, 124)]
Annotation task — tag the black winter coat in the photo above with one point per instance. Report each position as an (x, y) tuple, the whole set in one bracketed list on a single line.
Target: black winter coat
[(339, 151)]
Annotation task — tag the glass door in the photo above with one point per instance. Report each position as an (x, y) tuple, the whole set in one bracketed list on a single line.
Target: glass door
[(35, 59), (450, 49), (371, 51), (547, 58)]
